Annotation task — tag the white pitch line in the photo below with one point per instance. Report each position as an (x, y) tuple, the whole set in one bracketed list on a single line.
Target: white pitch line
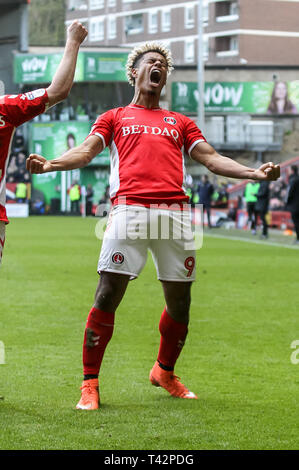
[(249, 240)]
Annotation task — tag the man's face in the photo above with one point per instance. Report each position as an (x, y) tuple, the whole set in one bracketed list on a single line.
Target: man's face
[(151, 73)]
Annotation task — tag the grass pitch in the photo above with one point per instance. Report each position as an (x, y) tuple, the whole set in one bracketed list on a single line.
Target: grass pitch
[(244, 317)]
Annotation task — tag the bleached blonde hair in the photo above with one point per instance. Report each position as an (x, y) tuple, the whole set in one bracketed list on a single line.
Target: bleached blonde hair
[(139, 51)]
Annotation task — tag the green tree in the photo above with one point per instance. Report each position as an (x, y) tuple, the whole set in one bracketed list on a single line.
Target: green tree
[(46, 22)]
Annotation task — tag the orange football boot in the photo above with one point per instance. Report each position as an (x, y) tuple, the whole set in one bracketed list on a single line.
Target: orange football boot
[(90, 397), (166, 379)]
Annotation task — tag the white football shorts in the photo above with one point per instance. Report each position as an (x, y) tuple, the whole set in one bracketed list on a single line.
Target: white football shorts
[(2, 238), (133, 230)]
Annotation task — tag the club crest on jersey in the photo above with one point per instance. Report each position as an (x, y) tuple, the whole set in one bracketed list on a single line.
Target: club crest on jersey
[(170, 120), (118, 258)]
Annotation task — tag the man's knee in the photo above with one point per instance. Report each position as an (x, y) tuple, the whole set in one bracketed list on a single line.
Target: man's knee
[(178, 299), (110, 291), (104, 298), (178, 308)]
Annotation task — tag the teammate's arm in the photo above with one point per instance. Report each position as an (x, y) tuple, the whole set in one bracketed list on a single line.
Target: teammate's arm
[(63, 79), (76, 157), (224, 166)]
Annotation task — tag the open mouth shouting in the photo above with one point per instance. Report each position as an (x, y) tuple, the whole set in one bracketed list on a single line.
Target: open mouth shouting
[(155, 77)]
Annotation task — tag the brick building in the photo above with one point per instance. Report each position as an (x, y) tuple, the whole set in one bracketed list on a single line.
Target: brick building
[(235, 31), (248, 45)]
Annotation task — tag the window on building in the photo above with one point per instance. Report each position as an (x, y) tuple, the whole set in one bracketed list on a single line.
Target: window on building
[(222, 44), (222, 8), (234, 9), (96, 4), (166, 20), (189, 50), (227, 46), (205, 12), (134, 24), (206, 48), (111, 3), (227, 11), (78, 5), (189, 17), (152, 22), (112, 27), (96, 27), (233, 43)]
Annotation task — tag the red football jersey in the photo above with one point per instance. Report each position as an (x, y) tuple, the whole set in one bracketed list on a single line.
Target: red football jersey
[(147, 153), (14, 111)]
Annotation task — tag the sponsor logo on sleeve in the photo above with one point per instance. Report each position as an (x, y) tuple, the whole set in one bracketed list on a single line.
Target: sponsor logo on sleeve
[(31, 95)]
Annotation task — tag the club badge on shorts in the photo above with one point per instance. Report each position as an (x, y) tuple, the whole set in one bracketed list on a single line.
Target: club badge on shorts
[(118, 258)]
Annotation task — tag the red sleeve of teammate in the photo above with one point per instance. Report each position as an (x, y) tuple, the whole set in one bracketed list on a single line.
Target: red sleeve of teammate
[(192, 135), (103, 127), (21, 108)]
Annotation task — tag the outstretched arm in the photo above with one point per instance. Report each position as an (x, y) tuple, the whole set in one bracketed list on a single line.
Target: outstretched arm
[(76, 157), (224, 166), (63, 79)]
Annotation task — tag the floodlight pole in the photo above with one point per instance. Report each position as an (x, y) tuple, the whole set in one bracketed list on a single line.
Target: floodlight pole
[(200, 68)]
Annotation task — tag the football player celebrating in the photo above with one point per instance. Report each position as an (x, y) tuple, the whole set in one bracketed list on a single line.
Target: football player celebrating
[(147, 168), (17, 109)]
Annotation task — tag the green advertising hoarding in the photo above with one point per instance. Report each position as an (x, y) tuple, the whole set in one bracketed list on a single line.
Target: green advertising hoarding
[(105, 67), (51, 140), (91, 66), (235, 97)]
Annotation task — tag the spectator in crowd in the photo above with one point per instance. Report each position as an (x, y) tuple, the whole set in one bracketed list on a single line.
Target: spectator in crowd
[(21, 164), (89, 199), (293, 199), (106, 196), (205, 191), (104, 203), (262, 205), (222, 196), (250, 195), (193, 195), (12, 169), (75, 196), (232, 212), (21, 192), (38, 207), (16, 170), (277, 195), (19, 142)]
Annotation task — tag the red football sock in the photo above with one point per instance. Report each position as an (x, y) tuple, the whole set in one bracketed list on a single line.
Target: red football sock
[(173, 335), (98, 332)]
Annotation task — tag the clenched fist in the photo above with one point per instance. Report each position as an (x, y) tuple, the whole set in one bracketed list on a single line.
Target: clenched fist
[(38, 164), (267, 171), (77, 32)]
